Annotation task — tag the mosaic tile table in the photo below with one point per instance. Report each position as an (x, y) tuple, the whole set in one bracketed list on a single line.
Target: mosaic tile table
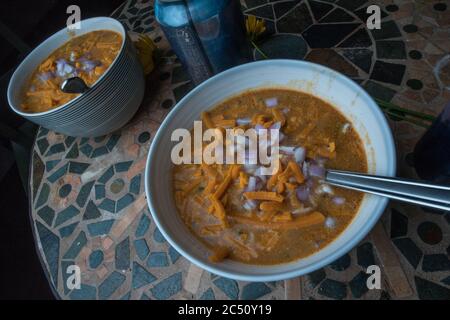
[(87, 196)]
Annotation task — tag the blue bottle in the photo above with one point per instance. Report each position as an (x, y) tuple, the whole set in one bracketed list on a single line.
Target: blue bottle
[(432, 152), (175, 21), (208, 36), (220, 26)]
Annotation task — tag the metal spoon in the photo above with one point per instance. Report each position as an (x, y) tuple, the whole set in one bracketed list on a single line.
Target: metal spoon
[(417, 192), (74, 85)]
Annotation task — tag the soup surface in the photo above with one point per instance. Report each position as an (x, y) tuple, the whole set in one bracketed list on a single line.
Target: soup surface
[(242, 215), (87, 56)]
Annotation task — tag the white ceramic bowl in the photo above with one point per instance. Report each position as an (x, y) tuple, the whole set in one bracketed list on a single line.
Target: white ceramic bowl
[(343, 93), (109, 104)]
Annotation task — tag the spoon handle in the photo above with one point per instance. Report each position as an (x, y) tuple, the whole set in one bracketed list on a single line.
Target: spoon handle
[(74, 85), (417, 192)]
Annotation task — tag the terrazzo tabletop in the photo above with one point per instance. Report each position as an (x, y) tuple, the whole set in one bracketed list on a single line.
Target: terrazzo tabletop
[(87, 199)]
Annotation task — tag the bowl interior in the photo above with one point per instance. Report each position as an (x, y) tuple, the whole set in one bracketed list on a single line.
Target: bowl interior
[(40, 53), (344, 94)]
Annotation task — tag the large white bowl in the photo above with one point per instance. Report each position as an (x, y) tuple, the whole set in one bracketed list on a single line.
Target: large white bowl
[(109, 104), (343, 93)]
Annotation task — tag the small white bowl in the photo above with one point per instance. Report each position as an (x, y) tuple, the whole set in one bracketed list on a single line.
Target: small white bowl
[(106, 106), (331, 86)]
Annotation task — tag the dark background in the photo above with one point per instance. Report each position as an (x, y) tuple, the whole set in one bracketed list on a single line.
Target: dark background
[(30, 22)]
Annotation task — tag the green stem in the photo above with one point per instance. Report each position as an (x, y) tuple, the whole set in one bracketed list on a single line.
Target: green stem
[(259, 50), (420, 115), (387, 107), (403, 118)]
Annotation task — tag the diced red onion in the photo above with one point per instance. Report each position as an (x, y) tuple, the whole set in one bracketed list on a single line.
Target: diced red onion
[(63, 68), (316, 171), (302, 193), (321, 161), (87, 55), (68, 69), (345, 127), (243, 121), (338, 201), (44, 76), (259, 174), (89, 65), (330, 223), (300, 211), (305, 169), (251, 186), (260, 182), (324, 188), (250, 168), (276, 126), (271, 102), (259, 127), (250, 205), (287, 150), (300, 155), (60, 67)]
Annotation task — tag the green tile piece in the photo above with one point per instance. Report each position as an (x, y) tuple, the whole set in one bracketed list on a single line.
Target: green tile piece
[(58, 174), (73, 152), (91, 211), (390, 49), (112, 142), (100, 228), (108, 205), (69, 140), (66, 215), (38, 173), (43, 195), (135, 184), (100, 191), (56, 148), (47, 214), (84, 193), (101, 151), (66, 231), (123, 166), (42, 145), (49, 165), (124, 202), (78, 167), (107, 175), (76, 246), (379, 91), (86, 150)]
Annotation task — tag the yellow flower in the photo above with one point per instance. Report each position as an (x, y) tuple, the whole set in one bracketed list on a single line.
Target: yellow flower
[(255, 27), (146, 50)]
